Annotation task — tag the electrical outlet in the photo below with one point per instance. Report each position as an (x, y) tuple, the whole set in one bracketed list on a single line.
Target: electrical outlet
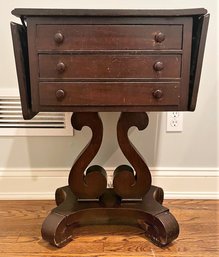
[(174, 121), (174, 114)]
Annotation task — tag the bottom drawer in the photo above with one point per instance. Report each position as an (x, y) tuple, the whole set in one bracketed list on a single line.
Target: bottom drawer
[(108, 93)]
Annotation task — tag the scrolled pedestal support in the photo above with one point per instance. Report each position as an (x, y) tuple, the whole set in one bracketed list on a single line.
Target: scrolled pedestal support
[(132, 200)]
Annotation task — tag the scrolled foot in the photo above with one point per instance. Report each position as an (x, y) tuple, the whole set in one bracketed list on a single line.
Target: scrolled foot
[(158, 194), (55, 230), (162, 230)]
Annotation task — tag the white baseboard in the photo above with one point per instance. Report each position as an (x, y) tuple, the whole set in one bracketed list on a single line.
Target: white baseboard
[(178, 183)]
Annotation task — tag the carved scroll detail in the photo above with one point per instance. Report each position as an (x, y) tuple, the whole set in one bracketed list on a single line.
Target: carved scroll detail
[(158, 223), (126, 183), (92, 183)]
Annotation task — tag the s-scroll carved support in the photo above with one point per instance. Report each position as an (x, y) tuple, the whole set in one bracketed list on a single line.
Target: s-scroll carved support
[(128, 184), (149, 213), (90, 183)]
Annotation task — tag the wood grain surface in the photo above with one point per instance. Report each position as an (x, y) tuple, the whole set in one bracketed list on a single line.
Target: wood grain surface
[(20, 226), (109, 37), (109, 66)]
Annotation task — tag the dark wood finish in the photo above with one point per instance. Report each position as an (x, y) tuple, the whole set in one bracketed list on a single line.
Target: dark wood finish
[(157, 222), (112, 94), (108, 48), (200, 28), (21, 57), (112, 108), (129, 183), (113, 206), (92, 183), (109, 37), (109, 66), (88, 61), (159, 37), (24, 12)]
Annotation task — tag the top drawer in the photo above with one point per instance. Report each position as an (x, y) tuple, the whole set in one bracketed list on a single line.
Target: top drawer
[(109, 37)]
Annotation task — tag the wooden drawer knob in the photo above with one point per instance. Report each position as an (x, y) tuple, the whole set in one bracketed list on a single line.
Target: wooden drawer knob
[(159, 37), (58, 37), (60, 67), (157, 94), (158, 66), (60, 94)]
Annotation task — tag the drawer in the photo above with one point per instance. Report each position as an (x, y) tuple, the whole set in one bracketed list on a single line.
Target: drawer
[(108, 94), (109, 66), (109, 37)]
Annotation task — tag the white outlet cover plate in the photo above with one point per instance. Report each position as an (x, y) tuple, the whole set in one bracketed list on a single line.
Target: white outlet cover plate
[(174, 122)]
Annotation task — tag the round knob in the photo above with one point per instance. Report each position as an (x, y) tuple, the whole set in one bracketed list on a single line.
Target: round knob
[(58, 37), (60, 67), (60, 94), (159, 37), (158, 66), (157, 94)]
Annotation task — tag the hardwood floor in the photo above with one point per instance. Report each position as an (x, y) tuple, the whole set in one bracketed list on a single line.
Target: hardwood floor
[(20, 224)]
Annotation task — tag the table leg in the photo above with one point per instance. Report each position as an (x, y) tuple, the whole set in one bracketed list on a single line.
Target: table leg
[(132, 200)]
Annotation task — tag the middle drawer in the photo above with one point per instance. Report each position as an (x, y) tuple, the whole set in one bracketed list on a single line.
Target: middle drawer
[(109, 66)]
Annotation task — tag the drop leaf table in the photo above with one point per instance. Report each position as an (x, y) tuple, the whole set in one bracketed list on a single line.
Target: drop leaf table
[(90, 61)]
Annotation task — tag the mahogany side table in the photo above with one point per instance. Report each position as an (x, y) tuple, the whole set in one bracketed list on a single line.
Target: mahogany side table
[(90, 61)]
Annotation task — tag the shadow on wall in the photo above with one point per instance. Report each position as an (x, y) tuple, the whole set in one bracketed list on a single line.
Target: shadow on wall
[(145, 141)]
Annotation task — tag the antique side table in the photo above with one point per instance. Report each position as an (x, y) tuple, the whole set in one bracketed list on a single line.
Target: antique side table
[(90, 61)]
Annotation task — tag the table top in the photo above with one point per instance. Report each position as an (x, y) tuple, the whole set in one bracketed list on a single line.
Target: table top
[(25, 12), (109, 60)]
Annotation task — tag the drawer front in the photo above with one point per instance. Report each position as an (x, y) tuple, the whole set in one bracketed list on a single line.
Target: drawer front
[(108, 94), (109, 66), (108, 37)]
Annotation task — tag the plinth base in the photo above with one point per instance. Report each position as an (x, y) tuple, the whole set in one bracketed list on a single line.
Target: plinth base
[(159, 224)]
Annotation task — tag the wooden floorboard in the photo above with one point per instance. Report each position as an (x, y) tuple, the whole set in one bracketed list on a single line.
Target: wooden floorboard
[(20, 224)]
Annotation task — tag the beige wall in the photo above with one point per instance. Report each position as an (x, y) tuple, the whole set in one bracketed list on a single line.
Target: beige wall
[(194, 152)]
